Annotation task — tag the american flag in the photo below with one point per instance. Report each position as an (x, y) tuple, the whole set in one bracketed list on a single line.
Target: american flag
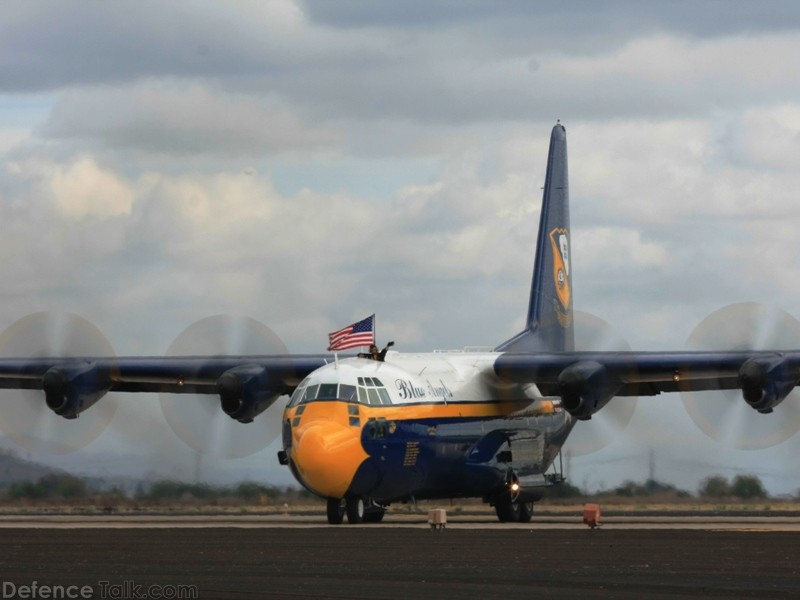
[(361, 333)]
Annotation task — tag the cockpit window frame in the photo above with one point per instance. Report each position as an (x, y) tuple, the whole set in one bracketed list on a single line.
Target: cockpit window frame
[(297, 396), (328, 391), (374, 398), (384, 395), (370, 391), (362, 395), (347, 392), (310, 393)]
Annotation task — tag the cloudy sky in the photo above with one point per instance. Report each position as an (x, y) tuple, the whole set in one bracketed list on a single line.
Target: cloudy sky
[(307, 163)]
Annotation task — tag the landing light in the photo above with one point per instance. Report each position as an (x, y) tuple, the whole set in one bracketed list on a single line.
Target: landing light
[(514, 487)]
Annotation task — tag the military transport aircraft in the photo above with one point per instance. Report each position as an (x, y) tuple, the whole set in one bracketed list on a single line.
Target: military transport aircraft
[(365, 433)]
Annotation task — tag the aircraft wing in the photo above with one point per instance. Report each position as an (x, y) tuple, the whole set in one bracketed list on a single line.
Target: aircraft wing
[(73, 384), (587, 380)]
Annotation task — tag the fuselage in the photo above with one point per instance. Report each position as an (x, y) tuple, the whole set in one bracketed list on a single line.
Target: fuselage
[(419, 426)]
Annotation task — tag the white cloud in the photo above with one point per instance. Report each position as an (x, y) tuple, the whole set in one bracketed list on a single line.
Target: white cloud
[(12, 137), (83, 189), (667, 171), (767, 137), (615, 248), (767, 255)]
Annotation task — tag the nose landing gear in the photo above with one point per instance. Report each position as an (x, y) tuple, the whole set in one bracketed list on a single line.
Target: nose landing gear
[(509, 504), (359, 509), (336, 510)]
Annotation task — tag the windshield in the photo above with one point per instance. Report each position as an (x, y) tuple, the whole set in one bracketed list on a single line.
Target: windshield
[(370, 391), (324, 391)]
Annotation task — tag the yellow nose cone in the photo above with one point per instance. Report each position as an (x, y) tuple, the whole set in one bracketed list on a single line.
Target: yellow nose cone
[(327, 456)]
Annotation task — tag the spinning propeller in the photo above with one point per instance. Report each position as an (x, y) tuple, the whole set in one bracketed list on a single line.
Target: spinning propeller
[(594, 334), (197, 418), (24, 415), (723, 415)]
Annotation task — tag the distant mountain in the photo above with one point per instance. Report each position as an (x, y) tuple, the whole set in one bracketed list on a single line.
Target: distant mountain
[(14, 469)]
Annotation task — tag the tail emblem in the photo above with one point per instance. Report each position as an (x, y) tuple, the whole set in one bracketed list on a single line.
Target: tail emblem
[(559, 239)]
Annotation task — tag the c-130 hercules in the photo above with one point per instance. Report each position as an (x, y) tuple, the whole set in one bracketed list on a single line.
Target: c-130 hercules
[(364, 434)]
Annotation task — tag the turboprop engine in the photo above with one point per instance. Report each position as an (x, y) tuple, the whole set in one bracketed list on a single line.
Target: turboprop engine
[(71, 388), (585, 388), (766, 382), (245, 392)]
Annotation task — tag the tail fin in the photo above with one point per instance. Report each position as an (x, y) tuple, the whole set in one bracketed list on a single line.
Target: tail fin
[(549, 326)]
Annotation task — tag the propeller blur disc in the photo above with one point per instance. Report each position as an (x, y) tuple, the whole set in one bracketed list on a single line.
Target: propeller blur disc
[(24, 416), (723, 415), (594, 334), (198, 419)]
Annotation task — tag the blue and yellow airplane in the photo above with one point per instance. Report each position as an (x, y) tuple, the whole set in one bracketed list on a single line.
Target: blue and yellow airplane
[(366, 433)]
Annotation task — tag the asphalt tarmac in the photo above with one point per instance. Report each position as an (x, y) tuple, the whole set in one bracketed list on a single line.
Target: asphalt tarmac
[(400, 562)]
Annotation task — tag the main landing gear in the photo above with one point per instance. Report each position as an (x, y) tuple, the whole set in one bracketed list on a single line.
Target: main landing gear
[(509, 504), (359, 509)]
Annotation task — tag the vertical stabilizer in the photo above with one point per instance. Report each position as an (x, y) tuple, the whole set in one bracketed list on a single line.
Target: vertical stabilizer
[(549, 326)]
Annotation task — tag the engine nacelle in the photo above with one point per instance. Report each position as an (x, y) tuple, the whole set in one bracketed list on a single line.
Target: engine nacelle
[(765, 382), (70, 389), (585, 388), (245, 392)]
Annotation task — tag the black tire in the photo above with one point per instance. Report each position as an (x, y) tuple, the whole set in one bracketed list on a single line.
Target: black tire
[(525, 512), (355, 510), (336, 509), (507, 509), (374, 515)]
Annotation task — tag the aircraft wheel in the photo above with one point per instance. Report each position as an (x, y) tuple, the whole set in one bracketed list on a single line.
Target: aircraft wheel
[(507, 508), (525, 512), (374, 516), (355, 510), (336, 509)]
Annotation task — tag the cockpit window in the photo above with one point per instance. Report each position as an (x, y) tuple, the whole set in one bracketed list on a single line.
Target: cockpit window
[(323, 391), (372, 392), (298, 394), (347, 392), (328, 391), (311, 393), (369, 391)]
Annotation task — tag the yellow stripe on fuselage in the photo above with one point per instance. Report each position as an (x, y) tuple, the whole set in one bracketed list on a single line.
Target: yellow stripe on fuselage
[(413, 412)]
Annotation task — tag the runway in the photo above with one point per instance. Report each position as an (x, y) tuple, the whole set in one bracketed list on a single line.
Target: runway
[(302, 557), (760, 521)]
